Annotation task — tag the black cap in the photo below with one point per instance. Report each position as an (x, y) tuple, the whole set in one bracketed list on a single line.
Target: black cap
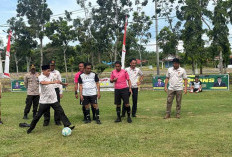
[(45, 67), (52, 62), (176, 60)]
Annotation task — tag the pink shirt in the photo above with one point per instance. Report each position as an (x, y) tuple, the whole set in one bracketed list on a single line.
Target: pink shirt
[(77, 77), (122, 76)]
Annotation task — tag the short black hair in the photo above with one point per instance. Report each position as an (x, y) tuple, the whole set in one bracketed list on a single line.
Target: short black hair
[(117, 62), (87, 64), (132, 59), (196, 77), (176, 60), (81, 63)]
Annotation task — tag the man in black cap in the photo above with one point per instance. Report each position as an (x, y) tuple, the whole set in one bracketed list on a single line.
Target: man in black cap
[(31, 82), (59, 92), (175, 76), (48, 98)]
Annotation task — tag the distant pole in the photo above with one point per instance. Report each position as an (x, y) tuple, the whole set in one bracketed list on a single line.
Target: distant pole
[(156, 32)]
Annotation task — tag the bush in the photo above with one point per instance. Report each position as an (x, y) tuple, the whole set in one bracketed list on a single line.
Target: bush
[(100, 68)]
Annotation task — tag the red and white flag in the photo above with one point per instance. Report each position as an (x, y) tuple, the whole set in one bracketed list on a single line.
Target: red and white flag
[(7, 59), (124, 45)]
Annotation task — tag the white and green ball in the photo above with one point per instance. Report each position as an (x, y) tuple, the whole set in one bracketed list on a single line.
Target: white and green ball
[(66, 131)]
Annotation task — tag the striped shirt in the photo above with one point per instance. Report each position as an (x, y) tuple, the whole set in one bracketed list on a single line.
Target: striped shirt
[(47, 92), (88, 82)]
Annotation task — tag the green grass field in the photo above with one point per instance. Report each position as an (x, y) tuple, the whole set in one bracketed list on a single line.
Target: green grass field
[(205, 128)]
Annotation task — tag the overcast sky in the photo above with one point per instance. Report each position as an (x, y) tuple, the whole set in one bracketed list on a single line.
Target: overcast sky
[(8, 10)]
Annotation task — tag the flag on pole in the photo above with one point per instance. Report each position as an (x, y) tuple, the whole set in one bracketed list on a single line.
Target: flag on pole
[(7, 59), (124, 45)]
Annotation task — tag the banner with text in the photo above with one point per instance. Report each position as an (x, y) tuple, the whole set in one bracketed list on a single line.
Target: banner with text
[(209, 82)]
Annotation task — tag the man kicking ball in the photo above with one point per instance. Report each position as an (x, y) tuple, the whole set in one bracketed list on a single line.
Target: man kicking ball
[(120, 77), (89, 88), (48, 98)]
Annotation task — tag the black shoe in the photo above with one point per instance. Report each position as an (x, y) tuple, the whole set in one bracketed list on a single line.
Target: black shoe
[(87, 121), (123, 115), (45, 123), (98, 121), (25, 116), (29, 131), (129, 120), (133, 115), (118, 120), (24, 125), (72, 127), (1, 122), (84, 119), (58, 123)]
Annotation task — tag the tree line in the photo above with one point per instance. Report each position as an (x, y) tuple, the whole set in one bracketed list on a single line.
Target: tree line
[(97, 35)]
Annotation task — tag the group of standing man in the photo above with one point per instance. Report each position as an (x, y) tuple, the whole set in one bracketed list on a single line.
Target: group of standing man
[(46, 90)]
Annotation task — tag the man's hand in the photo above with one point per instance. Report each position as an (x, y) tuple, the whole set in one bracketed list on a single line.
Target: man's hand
[(65, 84), (61, 96), (57, 81), (98, 95), (166, 89), (130, 90), (185, 91), (115, 79), (76, 95), (81, 97)]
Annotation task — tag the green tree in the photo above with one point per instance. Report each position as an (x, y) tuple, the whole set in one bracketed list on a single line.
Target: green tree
[(22, 40), (61, 34), (220, 32), (38, 14)]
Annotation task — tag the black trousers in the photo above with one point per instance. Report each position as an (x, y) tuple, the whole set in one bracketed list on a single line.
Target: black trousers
[(56, 115), (135, 101), (44, 107), (29, 100)]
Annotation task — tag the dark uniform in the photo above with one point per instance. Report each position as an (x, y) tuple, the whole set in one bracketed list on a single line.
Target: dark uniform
[(32, 84)]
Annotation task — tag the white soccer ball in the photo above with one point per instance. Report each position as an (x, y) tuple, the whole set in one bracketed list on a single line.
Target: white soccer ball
[(66, 131)]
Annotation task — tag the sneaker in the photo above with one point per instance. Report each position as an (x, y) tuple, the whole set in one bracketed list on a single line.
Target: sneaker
[(167, 116), (72, 127), (118, 120), (178, 116), (98, 121), (129, 120), (1, 122), (134, 115)]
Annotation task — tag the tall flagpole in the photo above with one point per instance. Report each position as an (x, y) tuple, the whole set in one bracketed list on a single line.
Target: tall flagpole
[(7, 59), (124, 45)]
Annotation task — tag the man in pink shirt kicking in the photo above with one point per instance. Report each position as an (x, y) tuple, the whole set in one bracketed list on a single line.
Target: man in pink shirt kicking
[(81, 70), (121, 79)]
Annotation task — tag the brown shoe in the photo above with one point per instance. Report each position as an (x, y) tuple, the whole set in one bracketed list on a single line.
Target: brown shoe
[(178, 116), (167, 116)]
